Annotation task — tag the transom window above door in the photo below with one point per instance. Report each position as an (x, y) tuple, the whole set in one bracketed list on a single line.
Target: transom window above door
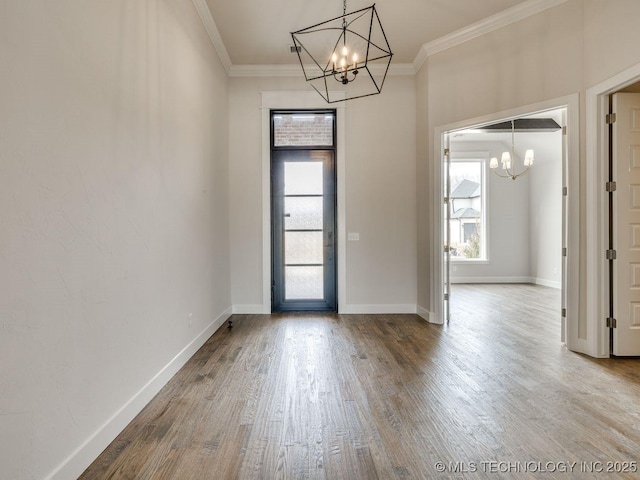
[(303, 129)]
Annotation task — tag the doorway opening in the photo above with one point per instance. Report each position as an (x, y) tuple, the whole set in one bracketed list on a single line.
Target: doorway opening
[(303, 210), (500, 230)]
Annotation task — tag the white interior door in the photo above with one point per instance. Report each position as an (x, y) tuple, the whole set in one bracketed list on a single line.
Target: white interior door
[(626, 224)]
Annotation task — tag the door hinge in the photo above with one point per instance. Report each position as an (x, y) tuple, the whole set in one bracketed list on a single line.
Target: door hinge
[(446, 200), (610, 187), (610, 118), (564, 251), (565, 191), (612, 323), (611, 254), (564, 312), (446, 151), (564, 130), (446, 296), (446, 249)]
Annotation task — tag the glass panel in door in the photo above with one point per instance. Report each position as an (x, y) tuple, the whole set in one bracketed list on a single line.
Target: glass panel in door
[(303, 260)]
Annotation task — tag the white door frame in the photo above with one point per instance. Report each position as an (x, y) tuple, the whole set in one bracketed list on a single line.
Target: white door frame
[(302, 100), (597, 219), (572, 171)]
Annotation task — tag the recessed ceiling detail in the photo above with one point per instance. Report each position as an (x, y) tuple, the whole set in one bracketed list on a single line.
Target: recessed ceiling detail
[(523, 125)]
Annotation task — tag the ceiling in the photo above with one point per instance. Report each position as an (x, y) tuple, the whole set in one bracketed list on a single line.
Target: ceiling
[(257, 32)]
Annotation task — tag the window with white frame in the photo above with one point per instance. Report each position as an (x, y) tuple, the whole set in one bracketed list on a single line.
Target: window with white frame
[(467, 215)]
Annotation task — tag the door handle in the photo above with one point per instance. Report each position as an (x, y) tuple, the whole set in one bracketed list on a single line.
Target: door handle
[(287, 214)]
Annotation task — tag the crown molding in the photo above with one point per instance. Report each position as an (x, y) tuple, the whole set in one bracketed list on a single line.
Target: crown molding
[(421, 57), (294, 70), (401, 70), (475, 30), (489, 24), (214, 34), (265, 71)]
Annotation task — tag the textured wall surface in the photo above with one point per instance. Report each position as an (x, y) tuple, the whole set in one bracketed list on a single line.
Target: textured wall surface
[(380, 188), (113, 213), (561, 51), (534, 60)]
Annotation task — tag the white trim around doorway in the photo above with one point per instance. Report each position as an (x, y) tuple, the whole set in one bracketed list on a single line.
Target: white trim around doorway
[(596, 228), (572, 172), (300, 100)]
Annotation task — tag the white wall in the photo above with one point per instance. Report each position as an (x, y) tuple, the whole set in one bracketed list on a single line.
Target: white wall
[(381, 197), (424, 185), (507, 222), (380, 194), (113, 218), (115, 192), (611, 37), (562, 51), (545, 209), (533, 60), (524, 216)]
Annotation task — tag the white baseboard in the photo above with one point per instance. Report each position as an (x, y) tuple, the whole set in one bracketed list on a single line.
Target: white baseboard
[(377, 308), (81, 458), (536, 281), (348, 309), (491, 280), (249, 309), (548, 283), (424, 313)]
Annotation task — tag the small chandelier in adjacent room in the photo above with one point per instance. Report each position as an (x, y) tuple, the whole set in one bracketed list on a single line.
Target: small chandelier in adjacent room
[(508, 160), (350, 52)]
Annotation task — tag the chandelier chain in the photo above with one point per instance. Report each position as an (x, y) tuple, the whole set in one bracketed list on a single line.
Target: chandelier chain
[(513, 142), (344, 15)]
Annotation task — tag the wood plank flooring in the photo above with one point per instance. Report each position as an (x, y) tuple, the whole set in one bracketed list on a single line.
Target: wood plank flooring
[(388, 397)]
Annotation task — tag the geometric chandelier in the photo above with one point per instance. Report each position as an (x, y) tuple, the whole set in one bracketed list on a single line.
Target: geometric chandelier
[(346, 57), (508, 160)]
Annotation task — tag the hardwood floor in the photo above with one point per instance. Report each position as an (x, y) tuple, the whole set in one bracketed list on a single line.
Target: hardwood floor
[(388, 397)]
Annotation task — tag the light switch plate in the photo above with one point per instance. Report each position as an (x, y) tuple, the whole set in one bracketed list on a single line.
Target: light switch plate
[(353, 237)]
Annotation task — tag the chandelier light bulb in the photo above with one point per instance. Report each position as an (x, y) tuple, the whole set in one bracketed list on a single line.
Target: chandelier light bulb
[(355, 59), (345, 51), (493, 163), (506, 160), (528, 158)]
